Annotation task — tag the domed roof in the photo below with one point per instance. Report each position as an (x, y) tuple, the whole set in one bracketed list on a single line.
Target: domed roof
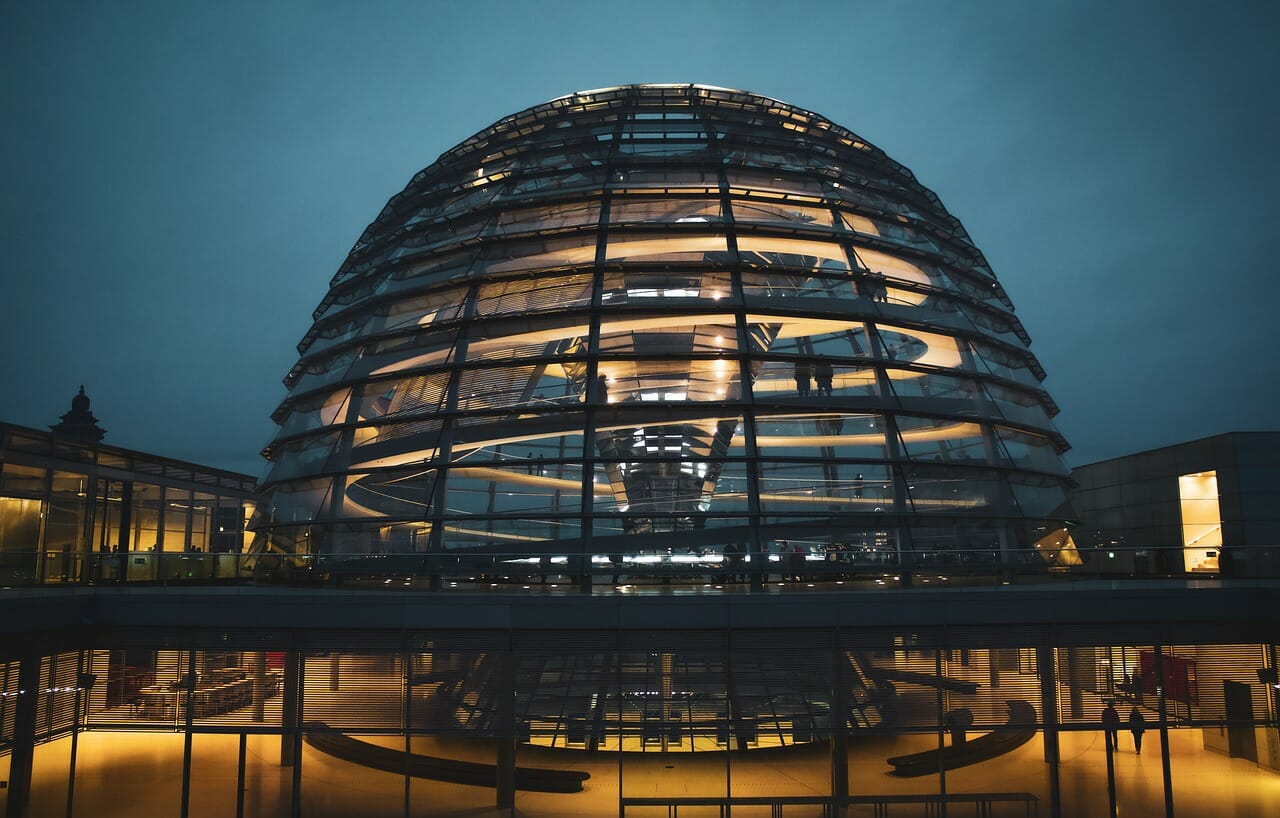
[(667, 318)]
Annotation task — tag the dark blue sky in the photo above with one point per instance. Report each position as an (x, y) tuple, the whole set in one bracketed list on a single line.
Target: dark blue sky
[(181, 180)]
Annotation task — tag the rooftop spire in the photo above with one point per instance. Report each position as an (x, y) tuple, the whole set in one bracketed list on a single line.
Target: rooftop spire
[(79, 423)]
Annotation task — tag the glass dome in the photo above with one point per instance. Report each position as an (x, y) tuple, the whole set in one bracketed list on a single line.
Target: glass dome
[(663, 328)]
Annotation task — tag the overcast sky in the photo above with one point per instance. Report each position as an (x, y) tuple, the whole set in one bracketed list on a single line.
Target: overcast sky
[(179, 181)]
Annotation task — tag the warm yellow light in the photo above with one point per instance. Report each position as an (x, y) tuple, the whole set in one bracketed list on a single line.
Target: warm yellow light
[(1201, 521)]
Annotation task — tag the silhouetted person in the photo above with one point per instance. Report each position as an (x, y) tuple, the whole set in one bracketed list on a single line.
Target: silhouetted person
[(733, 559), (1137, 724), (803, 377), (823, 374), (1226, 563), (1111, 724), (797, 563), (880, 292)]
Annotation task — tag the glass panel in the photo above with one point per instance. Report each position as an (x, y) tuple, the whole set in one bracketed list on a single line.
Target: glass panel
[(782, 698), (567, 697), (665, 286), (549, 217), (762, 183), (302, 456), (294, 502), (312, 413), (422, 394), (1030, 451), (860, 224), (944, 440), (543, 385), (558, 337), (783, 213), (670, 179), (674, 703), (829, 436), (759, 288), (147, 502), (809, 379), (958, 491), (16, 479), (767, 251), (418, 440), (1040, 497), (676, 211), (814, 487), (513, 490), (529, 255), (1201, 520), (666, 247), (201, 515), (667, 382), (524, 296), (506, 539), (391, 495), (1003, 363)]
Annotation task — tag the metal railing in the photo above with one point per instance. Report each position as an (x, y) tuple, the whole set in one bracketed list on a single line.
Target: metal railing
[(659, 569)]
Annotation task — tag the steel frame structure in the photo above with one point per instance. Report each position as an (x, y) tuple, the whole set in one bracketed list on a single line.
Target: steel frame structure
[(662, 322)]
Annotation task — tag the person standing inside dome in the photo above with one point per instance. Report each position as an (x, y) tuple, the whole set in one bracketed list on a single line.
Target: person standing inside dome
[(803, 378), (823, 375)]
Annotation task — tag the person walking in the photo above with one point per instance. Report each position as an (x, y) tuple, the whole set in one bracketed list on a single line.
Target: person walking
[(1111, 724), (1137, 725)]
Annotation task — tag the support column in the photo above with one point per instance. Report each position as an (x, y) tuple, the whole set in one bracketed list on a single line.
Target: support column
[(1049, 703), (941, 715), (290, 705), (258, 668), (839, 729), (24, 728), (240, 770), (1075, 688), (1164, 733), (505, 760), (188, 695)]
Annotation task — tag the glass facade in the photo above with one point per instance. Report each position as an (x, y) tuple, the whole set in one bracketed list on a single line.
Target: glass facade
[(802, 722), (667, 322), (74, 512)]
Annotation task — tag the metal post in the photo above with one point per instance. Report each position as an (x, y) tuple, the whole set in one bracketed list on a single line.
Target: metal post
[(240, 777), (295, 796), (942, 732), (505, 760), (75, 734), (406, 675), (1049, 700), (184, 810), (1111, 773), (289, 706), (839, 729), (22, 756), (1164, 733)]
